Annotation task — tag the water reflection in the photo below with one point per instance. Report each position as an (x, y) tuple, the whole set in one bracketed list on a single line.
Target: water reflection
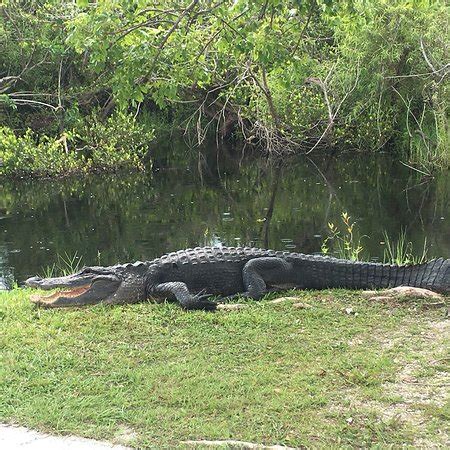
[(107, 219)]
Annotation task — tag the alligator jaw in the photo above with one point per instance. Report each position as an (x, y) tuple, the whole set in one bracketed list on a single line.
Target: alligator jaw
[(47, 301), (79, 279), (90, 286)]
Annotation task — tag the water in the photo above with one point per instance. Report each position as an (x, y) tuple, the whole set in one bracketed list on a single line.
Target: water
[(127, 217)]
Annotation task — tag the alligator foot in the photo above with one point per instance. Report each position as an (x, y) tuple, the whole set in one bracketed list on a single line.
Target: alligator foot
[(201, 302)]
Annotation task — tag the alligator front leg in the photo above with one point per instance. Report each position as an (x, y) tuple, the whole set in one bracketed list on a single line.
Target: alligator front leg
[(181, 292)]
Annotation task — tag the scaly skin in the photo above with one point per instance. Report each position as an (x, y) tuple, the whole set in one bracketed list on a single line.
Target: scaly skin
[(191, 276)]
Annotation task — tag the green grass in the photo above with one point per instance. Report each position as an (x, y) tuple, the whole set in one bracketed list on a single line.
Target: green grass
[(272, 374), (65, 265), (400, 251)]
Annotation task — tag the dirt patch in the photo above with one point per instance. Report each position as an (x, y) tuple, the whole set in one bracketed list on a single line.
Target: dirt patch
[(124, 435), (230, 443), (420, 387), (419, 392)]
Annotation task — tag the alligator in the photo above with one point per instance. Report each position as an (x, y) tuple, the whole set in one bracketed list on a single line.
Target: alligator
[(193, 276)]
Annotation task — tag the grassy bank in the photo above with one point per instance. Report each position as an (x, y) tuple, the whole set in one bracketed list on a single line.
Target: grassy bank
[(154, 375)]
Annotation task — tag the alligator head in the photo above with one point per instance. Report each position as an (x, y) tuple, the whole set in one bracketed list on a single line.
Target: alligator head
[(91, 285)]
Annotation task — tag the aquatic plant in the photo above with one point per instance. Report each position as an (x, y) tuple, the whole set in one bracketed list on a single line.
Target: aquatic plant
[(27, 155), (400, 251), (342, 242), (118, 142), (65, 265)]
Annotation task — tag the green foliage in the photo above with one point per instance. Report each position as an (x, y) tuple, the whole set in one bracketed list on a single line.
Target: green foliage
[(119, 142), (333, 73), (25, 155), (284, 75), (51, 98), (400, 251), (402, 93), (342, 243)]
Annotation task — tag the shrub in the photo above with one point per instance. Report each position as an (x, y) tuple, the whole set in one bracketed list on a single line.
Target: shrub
[(117, 143), (26, 156)]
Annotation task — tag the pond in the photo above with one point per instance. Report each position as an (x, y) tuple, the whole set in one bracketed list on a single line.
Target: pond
[(213, 200)]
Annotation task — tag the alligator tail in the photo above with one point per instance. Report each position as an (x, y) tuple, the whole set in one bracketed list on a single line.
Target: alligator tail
[(331, 272), (433, 275), (438, 277)]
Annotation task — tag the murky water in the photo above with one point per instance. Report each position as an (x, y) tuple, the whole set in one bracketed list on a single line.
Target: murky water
[(109, 219)]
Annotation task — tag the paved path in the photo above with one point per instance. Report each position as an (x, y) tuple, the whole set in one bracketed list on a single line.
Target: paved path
[(20, 438)]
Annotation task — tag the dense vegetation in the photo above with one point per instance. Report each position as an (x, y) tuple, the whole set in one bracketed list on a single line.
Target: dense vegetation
[(84, 85)]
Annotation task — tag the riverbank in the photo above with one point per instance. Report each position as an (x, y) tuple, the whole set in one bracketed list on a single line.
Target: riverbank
[(337, 370)]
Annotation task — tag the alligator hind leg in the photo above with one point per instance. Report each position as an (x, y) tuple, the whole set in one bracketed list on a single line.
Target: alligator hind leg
[(181, 292), (259, 272)]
